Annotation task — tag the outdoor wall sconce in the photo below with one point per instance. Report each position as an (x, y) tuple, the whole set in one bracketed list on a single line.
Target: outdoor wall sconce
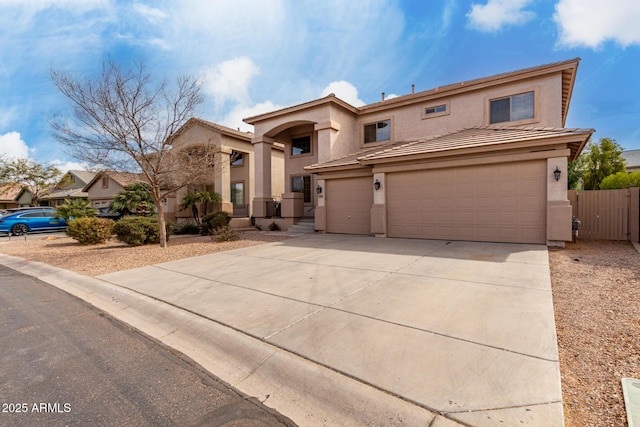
[(376, 185), (556, 174), (318, 190)]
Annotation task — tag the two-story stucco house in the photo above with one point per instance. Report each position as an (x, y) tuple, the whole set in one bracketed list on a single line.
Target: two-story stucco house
[(234, 171), (482, 160), (70, 186)]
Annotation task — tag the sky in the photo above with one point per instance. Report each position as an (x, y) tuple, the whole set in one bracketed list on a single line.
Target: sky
[(256, 56)]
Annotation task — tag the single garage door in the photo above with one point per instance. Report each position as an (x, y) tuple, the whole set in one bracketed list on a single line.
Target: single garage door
[(494, 203), (348, 205)]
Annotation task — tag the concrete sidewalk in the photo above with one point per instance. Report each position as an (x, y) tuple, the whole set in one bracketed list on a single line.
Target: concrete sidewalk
[(350, 330)]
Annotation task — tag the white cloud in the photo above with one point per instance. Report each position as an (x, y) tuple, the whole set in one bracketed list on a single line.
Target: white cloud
[(235, 116), (497, 14), (151, 14), (345, 91), (65, 165), (7, 116), (592, 23), (12, 145), (230, 80), (21, 13)]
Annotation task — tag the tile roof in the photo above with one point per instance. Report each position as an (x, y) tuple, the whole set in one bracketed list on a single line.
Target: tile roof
[(568, 69), (65, 193), (632, 158), (85, 176), (9, 191), (214, 126), (122, 178), (472, 138)]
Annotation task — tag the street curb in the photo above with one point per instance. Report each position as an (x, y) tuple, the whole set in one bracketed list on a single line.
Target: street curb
[(306, 392)]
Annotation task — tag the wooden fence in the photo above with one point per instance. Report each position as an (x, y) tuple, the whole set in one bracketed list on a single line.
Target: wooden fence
[(607, 214)]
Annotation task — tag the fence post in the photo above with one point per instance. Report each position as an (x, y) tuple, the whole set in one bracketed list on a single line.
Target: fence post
[(634, 214)]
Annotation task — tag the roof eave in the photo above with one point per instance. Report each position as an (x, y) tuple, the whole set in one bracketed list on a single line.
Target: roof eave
[(478, 84), (570, 141), (329, 99)]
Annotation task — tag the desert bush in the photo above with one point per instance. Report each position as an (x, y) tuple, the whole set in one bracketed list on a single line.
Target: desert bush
[(213, 222), (273, 226), (225, 234), (139, 230), (187, 228), (89, 231)]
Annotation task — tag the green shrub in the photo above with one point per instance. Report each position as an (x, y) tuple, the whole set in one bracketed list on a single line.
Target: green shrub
[(139, 230), (187, 228), (225, 234), (213, 222), (273, 226), (89, 231)]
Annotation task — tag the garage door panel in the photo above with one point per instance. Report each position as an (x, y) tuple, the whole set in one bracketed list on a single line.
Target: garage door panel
[(348, 205), (503, 202)]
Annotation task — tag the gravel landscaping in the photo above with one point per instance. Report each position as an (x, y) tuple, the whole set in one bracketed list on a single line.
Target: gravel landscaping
[(94, 260), (596, 293)]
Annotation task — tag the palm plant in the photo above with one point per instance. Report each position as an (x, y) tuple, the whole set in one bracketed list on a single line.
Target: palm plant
[(207, 197), (75, 208), (134, 199), (193, 199)]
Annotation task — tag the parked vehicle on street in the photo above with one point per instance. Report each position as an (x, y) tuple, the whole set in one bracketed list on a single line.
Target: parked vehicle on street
[(26, 221), (30, 208)]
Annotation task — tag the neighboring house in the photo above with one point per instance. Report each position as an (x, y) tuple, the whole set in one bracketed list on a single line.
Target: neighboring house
[(234, 167), (632, 160), (482, 160), (104, 186), (13, 195), (70, 186)]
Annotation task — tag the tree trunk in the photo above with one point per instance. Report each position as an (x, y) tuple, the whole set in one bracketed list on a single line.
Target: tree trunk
[(161, 222)]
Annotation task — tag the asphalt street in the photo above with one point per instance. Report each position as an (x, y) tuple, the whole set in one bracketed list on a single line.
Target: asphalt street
[(66, 363)]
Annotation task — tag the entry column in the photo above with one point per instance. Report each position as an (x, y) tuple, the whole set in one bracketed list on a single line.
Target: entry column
[(558, 207), (379, 208), (222, 182), (262, 202)]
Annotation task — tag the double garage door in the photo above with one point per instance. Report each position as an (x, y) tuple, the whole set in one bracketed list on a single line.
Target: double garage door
[(495, 203)]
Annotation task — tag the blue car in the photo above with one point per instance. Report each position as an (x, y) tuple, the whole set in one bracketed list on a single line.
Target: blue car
[(23, 222)]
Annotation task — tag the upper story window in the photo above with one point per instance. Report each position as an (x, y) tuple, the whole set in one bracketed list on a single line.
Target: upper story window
[(376, 132), (301, 145), (236, 158), (436, 110), (105, 182), (511, 108)]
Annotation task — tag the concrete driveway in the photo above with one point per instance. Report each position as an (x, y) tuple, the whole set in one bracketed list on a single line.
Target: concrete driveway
[(462, 331)]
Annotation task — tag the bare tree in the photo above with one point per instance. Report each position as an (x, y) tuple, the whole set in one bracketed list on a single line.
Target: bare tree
[(125, 121)]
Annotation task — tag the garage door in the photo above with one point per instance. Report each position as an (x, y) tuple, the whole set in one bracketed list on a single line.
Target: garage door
[(348, 205), (494, 203)]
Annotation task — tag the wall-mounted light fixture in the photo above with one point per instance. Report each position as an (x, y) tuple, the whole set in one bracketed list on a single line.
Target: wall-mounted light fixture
[(556, 174), (376, 185), (319, 190)]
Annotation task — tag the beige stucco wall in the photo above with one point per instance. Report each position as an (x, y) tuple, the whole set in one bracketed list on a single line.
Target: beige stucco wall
[(469, 110), (337, 131), (97, 192)]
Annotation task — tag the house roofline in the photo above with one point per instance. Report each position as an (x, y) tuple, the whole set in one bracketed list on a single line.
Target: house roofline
[(574, 139), (329, 99), (114, 175), (568, 69), (224, 130)]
